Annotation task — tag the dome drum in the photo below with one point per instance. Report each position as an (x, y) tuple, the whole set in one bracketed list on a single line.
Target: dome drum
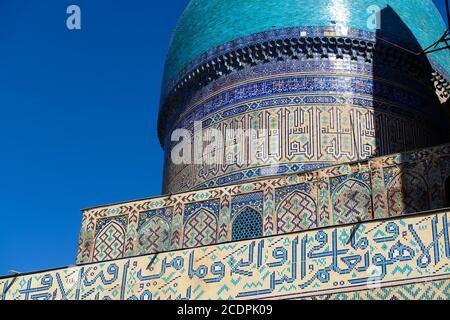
[(324, 87), (293, 49)]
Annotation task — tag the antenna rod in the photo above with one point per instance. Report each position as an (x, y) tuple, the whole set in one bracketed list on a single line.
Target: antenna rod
[(445, 39)]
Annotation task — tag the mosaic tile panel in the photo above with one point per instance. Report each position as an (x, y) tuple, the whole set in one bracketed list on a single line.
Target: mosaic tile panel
[(407, 193), (154, 231), (311, 121), (247, 225), (201, 227), (333, 261), (296, 212), (379, 188), (110, 238), (352, 202), (424, 291)]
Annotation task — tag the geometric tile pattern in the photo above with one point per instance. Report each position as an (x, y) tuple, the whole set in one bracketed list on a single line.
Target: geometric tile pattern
[(154, 231), (407, 193), (154, 236), (247, 225), (320, 198), (315, 112), (191, 208), (109, 243), (428, 291), (102, 222), (377, 255), (253, 200), (351, 201), (293, 158), (200, 229), (297, 212)]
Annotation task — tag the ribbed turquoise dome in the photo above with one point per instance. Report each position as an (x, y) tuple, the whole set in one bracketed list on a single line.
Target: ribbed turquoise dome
[(206, 24)]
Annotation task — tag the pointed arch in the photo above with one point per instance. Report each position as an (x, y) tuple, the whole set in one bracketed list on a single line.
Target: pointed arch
[(109, 243), (154, 236), (200, 229), (247, 224), (407, 193), (352, 201), (297, 212)]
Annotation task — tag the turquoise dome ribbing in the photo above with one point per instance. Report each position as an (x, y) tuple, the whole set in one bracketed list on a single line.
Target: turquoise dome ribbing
[(206, 24)]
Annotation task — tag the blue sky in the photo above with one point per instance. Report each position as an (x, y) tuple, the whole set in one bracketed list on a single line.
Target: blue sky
[(441, 6), (79, 115)]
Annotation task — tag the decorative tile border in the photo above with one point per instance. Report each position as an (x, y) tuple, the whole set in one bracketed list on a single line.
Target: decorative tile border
[(332, 261)]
